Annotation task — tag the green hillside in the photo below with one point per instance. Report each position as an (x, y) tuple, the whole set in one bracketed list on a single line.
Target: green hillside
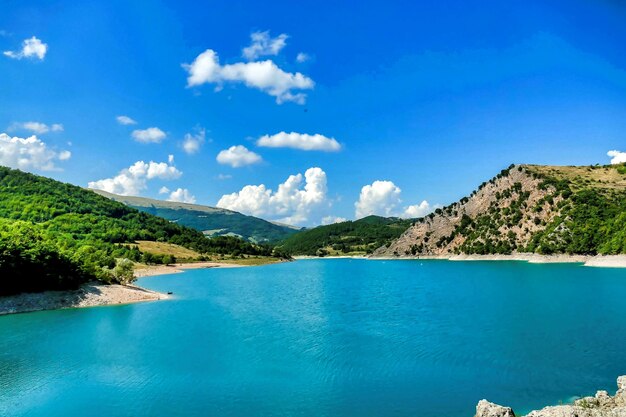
[(55, 235), (211, 221), (352, 237)]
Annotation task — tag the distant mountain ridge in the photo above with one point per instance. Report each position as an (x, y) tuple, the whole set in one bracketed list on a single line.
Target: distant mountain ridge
[(212, 221), (527, 208)]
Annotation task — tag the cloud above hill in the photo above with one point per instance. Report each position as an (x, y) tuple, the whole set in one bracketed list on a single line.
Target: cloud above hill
[(297, 200), (134, 179), (29, 154), (382, 198)]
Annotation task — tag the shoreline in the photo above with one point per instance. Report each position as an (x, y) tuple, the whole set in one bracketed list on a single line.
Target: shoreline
[(88, 295), (94, 294), (154, 270), (597, 261)]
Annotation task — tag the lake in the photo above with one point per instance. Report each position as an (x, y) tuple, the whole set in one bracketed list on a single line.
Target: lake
[(335, 337)]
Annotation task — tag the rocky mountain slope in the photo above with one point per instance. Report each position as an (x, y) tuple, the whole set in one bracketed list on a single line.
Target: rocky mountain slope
[(211, 221), (527, 208)]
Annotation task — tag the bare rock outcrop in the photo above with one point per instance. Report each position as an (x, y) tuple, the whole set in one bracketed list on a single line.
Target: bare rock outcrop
[(600, 405), (514, 202)]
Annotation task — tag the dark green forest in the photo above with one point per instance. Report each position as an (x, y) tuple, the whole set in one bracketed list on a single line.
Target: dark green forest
[(360, 236), (56, 236)]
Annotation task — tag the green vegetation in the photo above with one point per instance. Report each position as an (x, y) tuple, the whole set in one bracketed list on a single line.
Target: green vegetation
[(587, 207), (57, 236), (209, 220), (346, 238)]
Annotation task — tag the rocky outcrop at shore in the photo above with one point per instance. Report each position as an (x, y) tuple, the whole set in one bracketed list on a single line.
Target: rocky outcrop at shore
[(600, 405)]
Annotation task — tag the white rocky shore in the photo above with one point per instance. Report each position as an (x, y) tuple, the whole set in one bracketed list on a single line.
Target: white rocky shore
[(601, 405), (89, 295)]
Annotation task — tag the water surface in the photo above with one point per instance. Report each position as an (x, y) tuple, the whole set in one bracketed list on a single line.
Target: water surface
[(336, 337)]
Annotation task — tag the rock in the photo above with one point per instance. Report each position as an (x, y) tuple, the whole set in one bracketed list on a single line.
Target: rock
[(600, 405), (488, 409)]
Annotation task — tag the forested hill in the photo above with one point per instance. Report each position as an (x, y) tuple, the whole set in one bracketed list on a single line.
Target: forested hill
[(55, 235), (211, 221), (346, 238), (528, 208)]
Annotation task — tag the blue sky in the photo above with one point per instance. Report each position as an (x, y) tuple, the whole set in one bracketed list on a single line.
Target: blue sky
[(408, 104)]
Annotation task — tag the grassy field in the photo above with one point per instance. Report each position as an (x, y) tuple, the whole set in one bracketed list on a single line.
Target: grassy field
[(606, 177), (163, 248)]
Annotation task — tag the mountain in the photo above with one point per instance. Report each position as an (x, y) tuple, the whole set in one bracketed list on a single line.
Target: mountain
[(527, 208), (211, 221), (351, 237), (56, 236)]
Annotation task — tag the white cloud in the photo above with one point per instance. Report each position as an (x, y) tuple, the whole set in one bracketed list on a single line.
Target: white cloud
[(193, 142), (36, 127), (149, 135), (29, 154), (133, 180), (417, 210), (224, 176), (333, 219), (31, 48), (291, 203), (302, 57), (164, 190), (382, 198), (125, 120), (262, 75), (238, 156), (262, 45), (617, 157), (300, 141), (182, 195)]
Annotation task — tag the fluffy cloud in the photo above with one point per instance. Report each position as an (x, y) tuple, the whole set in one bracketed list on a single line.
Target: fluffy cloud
[(36, 127), (238, 156), (382, 198), (617, 157), (292, 203), (149, 135), (31, 48), (262, 75), (262, 45), (300, 141), (164, 190), (182, 195), (29, 154), (302, 57), (193, 142), (125, 120), (134, 179), (333, 219), (417, 210)]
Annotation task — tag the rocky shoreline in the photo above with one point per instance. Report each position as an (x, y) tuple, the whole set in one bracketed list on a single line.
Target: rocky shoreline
[(88, 295), (600, 405)]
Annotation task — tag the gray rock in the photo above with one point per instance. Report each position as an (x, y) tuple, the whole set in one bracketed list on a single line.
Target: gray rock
[(488, 409)]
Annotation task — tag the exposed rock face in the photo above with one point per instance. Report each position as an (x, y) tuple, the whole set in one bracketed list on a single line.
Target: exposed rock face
[(487, 409), (513, 202), (600, 405)]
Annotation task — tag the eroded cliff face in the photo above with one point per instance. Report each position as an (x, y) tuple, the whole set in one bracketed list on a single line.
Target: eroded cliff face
[(600, 405), (501, 217)]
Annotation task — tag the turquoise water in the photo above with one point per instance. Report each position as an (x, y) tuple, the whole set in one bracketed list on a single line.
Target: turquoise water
[(325, 338)]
